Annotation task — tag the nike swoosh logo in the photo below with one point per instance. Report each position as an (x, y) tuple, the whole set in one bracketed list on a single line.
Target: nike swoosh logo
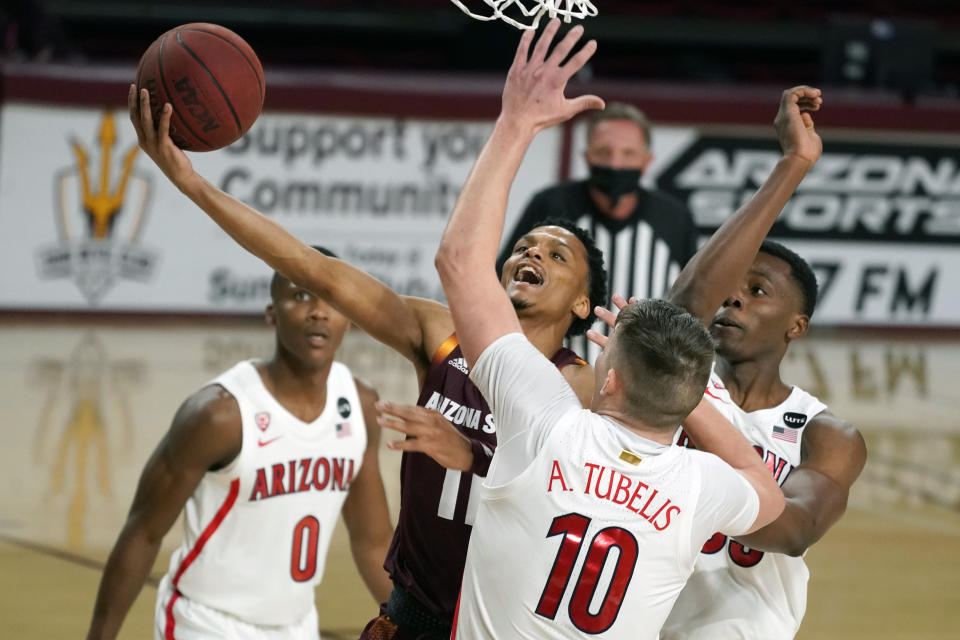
[(715, 397), (262, 443)]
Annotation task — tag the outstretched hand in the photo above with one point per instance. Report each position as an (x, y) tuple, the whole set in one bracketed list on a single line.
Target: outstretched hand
[(609, 317), (533, 94), (427, 432), (155, 140), (794, 123)]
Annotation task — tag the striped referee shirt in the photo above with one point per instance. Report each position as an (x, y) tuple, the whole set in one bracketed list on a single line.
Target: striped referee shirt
[(643, 253)]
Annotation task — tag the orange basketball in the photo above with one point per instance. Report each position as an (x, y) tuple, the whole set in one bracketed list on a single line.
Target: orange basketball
[(211, 77)]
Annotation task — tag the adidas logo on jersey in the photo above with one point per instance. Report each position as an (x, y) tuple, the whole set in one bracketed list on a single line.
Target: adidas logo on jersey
[(460, 364)]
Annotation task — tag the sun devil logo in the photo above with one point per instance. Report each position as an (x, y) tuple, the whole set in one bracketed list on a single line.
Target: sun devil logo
[(99, 220)]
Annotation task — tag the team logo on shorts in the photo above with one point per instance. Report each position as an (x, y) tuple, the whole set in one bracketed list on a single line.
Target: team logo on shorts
[(343, 406), (99, 219), (263, 420), (794, 420)]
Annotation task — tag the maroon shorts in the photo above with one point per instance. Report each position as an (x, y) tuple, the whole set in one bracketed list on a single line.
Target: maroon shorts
[(403, 618), (383, 628)]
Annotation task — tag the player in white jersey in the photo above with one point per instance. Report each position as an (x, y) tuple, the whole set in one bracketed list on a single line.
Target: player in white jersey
[(261, 461), (589, 522), (736, 591), (563, 475), (755, 586)]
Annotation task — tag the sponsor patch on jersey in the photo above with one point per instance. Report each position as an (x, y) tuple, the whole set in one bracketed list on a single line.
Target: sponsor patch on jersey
[(794, 420), (263, 420), (343, 406)]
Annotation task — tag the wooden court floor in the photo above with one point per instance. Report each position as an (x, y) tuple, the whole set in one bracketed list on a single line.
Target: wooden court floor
[(84, 404)]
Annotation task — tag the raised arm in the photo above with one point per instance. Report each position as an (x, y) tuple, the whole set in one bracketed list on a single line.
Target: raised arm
[(365, 510), (832, 456), (713, 272), (532, 101), (205, 434), (713, 433), (397, 322)]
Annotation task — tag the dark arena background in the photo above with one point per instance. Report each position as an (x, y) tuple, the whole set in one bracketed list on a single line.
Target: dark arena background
[(374, 114)]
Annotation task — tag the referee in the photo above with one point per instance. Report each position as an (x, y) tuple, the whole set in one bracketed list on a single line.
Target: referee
[(646, 236)]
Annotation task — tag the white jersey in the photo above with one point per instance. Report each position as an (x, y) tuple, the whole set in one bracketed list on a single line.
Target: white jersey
[(736, 592), (256, 532), (584, 528)]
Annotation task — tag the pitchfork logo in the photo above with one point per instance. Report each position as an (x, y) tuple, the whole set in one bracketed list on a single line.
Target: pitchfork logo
[(100, 217)]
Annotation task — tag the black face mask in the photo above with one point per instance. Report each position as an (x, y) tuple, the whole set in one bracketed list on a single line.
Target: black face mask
[(614, 182)]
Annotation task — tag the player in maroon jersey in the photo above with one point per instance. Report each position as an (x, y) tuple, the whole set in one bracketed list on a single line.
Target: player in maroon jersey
[(555, 277)]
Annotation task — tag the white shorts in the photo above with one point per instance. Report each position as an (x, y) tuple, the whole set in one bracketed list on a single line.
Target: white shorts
[(190, 620)]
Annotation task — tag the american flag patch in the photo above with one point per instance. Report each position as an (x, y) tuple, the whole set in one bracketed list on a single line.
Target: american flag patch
[(782, 433), (343, 430)]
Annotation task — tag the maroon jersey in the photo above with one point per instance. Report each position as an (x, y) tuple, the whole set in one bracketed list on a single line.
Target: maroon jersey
[(437, 505)]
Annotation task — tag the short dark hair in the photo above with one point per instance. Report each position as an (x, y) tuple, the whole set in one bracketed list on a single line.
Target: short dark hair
[(664, 355), (619, 111), (278, 278), (596, 272), (800, 271)]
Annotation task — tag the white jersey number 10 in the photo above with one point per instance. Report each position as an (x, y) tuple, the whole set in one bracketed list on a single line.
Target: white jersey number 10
[(573, 528)]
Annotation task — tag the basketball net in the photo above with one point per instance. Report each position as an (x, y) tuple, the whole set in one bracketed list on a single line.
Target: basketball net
[(529, 12)]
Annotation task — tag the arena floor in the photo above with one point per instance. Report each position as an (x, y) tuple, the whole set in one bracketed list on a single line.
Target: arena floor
[(85, 403)]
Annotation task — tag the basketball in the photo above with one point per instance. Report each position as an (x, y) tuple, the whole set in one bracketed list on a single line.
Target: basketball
[(211, 77)]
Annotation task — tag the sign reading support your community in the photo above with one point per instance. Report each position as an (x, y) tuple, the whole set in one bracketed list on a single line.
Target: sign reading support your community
[(90, 223)]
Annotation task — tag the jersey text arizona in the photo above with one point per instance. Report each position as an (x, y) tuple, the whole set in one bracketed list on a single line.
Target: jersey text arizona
[(307, 474)]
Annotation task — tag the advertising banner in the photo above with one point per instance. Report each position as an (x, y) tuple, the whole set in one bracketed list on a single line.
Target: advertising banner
[(878, 217), (87, 221)]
